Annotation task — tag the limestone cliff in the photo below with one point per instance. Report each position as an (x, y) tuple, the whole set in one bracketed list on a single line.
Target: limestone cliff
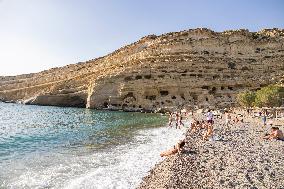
[(193, 67)]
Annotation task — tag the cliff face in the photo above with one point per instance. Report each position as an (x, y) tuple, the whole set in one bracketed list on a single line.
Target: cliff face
[(193, 67)]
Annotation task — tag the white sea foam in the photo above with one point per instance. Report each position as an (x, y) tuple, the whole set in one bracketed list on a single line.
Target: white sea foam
[(134, 161), (120, 167)]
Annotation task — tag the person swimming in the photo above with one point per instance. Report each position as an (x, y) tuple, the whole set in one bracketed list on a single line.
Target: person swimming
[(176, 149)]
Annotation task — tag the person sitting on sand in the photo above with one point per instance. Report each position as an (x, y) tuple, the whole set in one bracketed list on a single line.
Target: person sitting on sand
[(209, 132), (203, 124), (276, 133), (194, 126), (176, 149), (237, 120)]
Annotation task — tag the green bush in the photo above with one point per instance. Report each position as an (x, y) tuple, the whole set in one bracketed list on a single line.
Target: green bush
[(246, 98), (269, 96)]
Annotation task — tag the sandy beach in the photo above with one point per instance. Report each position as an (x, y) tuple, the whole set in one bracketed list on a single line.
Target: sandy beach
[(239, 158)]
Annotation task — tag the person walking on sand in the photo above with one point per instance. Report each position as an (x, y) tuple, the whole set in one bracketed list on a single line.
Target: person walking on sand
[(171, 117)]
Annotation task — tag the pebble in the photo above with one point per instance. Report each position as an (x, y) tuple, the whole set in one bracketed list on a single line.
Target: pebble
[(241, 160)]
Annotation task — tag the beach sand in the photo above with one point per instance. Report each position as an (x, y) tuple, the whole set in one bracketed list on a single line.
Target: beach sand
[(241, 159)]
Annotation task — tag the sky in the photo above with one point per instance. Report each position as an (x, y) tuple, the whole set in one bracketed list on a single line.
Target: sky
[(36, 35)]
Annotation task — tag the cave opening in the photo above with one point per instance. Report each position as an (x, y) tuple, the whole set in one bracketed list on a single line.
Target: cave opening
[(130, 94), (164, 93), (213, 90), (105, 104), (147, 76), (151, 97), (138, 77), (129, 78), (205, 87)]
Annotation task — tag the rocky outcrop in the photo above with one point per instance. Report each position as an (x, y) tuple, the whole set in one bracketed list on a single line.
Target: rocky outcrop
[(194, 67)]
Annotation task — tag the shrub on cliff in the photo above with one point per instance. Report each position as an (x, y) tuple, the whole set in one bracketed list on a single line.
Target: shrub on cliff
[(269, 96), (246, 98)]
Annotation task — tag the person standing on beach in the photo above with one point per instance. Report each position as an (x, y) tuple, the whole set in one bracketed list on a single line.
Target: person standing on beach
[(248, 112), (180, 120), (210, 117), (177, 120), (264, 118), (227, 120), (171, 115), (209, 125)]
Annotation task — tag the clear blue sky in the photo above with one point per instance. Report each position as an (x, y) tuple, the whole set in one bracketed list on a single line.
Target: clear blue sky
[(40, 34)]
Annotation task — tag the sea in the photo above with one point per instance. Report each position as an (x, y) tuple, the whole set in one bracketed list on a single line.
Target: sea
[(75, 148)]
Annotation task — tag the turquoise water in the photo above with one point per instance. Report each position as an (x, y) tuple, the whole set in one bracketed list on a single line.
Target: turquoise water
[(28, 129), (50, 147)]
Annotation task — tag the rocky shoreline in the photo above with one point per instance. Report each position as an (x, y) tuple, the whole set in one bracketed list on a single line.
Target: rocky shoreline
[(239, 159)]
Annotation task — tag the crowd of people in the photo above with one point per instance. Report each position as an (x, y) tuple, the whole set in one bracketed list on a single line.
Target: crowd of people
[(206, 126), (178, 117)]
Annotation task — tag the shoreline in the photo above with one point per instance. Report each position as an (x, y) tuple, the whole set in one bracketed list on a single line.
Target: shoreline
[(100, 109), (240, 160)]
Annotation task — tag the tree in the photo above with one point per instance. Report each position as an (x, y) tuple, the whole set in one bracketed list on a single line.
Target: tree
[(246, 98), (269, 96)]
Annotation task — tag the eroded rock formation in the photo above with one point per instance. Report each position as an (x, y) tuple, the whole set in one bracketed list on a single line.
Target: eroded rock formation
[(193, 67)]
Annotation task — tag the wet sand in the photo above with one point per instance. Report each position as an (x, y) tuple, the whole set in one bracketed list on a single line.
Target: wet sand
[(240, 159)]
